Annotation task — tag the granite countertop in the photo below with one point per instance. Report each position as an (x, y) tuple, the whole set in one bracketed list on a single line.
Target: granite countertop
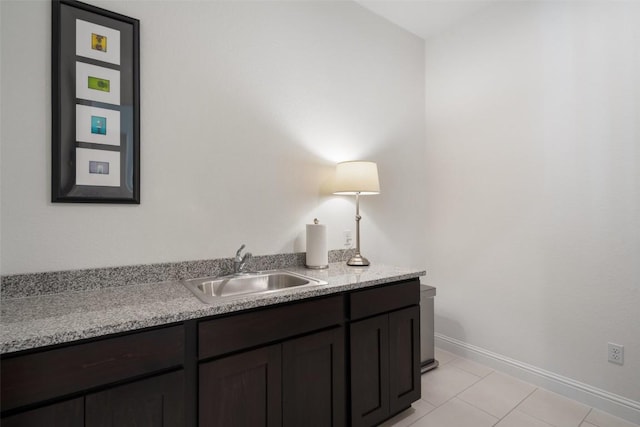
[(37, 321)]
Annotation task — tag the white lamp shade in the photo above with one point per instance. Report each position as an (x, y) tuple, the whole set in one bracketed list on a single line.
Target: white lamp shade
[(357, 177)]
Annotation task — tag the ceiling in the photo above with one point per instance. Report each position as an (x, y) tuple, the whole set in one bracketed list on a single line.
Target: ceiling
[(425, 17)]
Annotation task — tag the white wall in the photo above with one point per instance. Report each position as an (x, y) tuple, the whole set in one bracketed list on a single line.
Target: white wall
[(533, 186), (246, 107)]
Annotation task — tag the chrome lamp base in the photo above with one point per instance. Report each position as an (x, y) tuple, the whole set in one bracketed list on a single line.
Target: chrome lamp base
[(358, 261)]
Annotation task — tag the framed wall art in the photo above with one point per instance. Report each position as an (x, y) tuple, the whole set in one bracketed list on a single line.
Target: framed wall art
[(95, 105)]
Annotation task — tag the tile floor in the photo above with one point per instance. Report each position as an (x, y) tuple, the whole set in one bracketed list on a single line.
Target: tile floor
[(463, 393)]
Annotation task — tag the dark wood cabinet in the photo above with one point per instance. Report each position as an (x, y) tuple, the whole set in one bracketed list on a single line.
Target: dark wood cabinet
[(154, 402), (72, 369), (69, 413), (404, 358), (119, 381), (298, 382), (369, 371), (313, 385), (241, 331), (294, 375), (384, 353), (242, 390)]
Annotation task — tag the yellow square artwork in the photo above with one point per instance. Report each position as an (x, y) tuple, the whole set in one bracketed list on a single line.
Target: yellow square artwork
[(98, 42)]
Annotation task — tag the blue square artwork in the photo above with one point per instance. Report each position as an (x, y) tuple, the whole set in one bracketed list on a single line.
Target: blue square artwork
[(99, 125)]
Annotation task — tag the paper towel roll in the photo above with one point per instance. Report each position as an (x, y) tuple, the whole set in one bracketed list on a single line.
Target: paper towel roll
[(317, 255)]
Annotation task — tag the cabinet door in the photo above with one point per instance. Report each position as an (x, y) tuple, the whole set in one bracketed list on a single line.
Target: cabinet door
[(314, 380), (65, 414), (404, 358), (242, 390), (153, 402), (369, 371)]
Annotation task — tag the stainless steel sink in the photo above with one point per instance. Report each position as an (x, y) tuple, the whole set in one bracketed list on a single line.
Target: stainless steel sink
[(210, 289)]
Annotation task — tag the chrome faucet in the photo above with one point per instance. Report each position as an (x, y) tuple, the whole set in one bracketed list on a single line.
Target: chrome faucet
[(240, 261)]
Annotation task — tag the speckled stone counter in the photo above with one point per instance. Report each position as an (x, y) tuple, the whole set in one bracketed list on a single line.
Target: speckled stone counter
[(35, 321)]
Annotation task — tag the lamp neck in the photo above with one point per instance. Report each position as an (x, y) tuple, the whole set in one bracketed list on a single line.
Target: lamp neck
[(358, 260), (358, 217)]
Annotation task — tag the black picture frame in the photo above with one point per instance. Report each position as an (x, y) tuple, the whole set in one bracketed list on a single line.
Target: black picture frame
[(95, 105)]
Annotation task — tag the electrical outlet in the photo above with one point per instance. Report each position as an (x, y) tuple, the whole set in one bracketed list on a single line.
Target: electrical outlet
[(348, 240), (616, 353)]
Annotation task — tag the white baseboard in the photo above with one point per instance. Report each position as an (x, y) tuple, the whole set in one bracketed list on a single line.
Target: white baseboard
[(592, 396)]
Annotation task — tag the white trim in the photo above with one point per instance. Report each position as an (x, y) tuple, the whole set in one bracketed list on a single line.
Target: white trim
[(601, 399)]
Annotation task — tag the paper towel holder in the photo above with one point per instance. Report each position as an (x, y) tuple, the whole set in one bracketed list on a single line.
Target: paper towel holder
[(360, 179), (323, 264)]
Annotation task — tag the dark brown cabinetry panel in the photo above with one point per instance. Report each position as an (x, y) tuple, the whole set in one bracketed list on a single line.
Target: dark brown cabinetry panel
[(154, 402), (242, 390), (370, 302), (225, 335), (369, 371), (30, 378), (385, 352), (297, 383), (64, 414), (404, 358), (314, 380)]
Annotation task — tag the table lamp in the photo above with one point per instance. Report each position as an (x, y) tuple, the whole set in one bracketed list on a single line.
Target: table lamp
[(360, 179)]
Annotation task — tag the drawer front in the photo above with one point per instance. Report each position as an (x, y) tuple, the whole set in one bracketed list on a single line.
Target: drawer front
[(220, 336), (54, 373), (374, 301), (69, 413)]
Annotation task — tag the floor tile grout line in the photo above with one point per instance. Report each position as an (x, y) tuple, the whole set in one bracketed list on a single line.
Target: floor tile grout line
[(423, 415), (511, 410), (468, 387), (585, 418), (481, 376), (540, 419), (466, 372), (426, 413), (455, 358), (519, 403), (456, 395), (480, 409), (452, 358), (445, 364), (471, 404), (426, 401)]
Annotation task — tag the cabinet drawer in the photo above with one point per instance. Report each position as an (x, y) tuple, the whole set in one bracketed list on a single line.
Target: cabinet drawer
[(370, 302), (220, 336), (69, 413), (53, 373)]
